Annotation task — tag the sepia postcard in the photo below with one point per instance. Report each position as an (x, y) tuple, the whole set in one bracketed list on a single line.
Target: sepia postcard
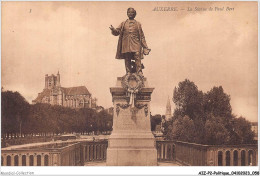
[(166, 85)]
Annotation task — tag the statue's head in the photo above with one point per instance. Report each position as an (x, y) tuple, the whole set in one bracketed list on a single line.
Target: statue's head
[(131, 13)]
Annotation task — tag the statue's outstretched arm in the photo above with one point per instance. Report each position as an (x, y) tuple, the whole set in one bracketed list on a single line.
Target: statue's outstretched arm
[(116, 31)]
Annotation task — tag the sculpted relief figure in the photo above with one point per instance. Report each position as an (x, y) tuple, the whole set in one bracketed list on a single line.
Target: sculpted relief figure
[(131, 44)]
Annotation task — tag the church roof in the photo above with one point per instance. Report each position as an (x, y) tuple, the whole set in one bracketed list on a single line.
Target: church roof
[(45, 92), (80, 90)]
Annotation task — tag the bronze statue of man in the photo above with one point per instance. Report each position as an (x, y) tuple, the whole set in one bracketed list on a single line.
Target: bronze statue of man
[(131, 44)]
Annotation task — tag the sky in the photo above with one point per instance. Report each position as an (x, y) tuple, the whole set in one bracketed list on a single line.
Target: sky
[(210, 48)]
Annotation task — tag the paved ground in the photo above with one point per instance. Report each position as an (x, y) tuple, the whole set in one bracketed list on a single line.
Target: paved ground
[(159, 164)]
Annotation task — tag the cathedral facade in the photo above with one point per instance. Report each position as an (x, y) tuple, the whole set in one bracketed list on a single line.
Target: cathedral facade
[(74, 97)]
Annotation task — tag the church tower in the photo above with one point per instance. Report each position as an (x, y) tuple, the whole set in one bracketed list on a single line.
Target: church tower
[(58, 79), (168, 113), (51, 81)]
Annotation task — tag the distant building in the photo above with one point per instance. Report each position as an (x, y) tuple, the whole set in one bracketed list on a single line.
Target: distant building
[(74, 97), (168, 113), (254, 128)]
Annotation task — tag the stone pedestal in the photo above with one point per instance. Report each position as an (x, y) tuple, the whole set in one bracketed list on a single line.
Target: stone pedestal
[(131, 142)]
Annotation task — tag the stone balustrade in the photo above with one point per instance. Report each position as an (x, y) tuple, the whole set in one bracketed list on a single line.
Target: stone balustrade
[(94, 151), (50, 154), (232, 155), (73, 153), (216, 155), (165, 151), (76, 153)]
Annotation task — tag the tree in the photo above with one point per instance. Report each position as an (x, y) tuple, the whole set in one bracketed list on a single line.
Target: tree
[(44, 118), (217, 103), (155, 120), (105, 121), (167, 127), (183, 129), (243, 131), (208, 117), (188, 100), (215, 132), (14, 112)]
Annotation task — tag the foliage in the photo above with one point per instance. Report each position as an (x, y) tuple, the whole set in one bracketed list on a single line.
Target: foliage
[(242, 128), (45, 118), (206, 118), (155, 120), (167, 128), (183, 129), (215, 132), (217, 103), (188, 100), (14, 111)]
